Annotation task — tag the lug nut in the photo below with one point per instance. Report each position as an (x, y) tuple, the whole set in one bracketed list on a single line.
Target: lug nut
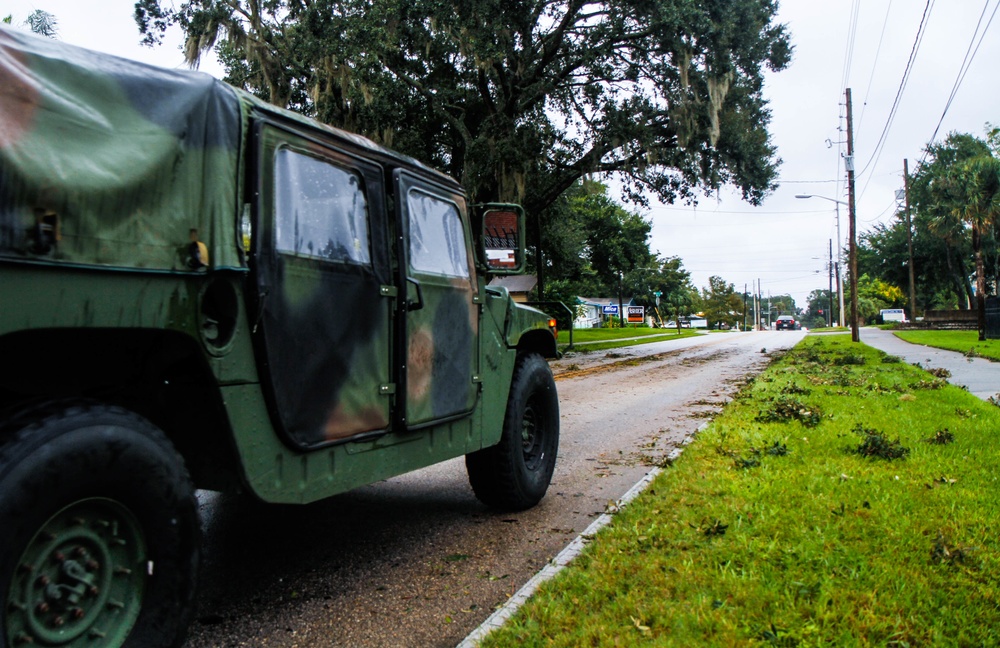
[(93, 565), (42, 608), (43, 580), (58, 622), (77, 613)]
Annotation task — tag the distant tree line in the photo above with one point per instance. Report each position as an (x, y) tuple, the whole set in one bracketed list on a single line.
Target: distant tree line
[(955, 215)]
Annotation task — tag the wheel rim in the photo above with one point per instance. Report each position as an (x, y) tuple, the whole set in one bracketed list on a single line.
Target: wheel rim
[(81, 579), (532, 436)]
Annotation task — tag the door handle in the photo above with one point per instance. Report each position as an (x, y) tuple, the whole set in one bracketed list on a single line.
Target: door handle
[(419, 304)]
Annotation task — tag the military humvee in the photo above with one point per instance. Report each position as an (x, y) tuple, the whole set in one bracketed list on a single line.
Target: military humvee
[(200, 290)]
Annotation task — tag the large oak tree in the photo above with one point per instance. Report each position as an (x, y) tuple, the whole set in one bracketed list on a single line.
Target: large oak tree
[(519, 99)]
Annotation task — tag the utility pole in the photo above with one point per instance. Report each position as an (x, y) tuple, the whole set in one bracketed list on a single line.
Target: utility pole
[(909, 238), (760, 305), (829, 316), (852, 259), (744, 307)]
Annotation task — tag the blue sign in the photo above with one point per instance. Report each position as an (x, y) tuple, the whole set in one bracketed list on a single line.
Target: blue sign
[(610, 310)]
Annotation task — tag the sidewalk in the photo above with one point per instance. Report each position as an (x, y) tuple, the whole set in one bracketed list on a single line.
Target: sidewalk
[(980, 376)]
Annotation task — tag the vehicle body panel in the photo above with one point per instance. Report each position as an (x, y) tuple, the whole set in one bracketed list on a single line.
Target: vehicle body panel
[(308, 370)]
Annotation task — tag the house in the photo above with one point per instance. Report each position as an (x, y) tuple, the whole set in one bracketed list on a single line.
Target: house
[(519, 286), (590, 310)]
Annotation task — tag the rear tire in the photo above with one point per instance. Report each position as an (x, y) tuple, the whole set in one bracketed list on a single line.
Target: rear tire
[(514, 474), (101, 538)]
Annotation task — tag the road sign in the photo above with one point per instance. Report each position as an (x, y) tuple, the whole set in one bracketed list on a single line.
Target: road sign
[(610, 310)]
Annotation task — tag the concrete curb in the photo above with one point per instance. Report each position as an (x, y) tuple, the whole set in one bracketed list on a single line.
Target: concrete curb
[(566, 556)]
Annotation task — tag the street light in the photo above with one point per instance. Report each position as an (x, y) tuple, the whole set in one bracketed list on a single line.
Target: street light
[(853, 270)]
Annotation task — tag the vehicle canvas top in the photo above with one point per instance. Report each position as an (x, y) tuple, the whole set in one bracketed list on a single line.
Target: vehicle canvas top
[(117, 159), (112, 162)]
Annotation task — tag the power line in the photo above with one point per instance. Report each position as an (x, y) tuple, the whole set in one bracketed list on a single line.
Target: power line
[(871, 76), (852, 32), (921, 30), (966, 64)]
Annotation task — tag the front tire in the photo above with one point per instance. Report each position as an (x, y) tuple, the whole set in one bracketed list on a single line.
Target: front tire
[(101, 534), (514, 474)]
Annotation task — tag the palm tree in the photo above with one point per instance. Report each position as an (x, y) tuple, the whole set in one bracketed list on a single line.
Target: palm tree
[(980, 178)]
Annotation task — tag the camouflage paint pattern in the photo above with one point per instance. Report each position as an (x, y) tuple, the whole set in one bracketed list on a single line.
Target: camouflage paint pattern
[(124, 158), (328, 376)]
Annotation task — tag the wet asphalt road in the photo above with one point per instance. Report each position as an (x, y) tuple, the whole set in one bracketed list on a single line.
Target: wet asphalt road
[(417, 560)]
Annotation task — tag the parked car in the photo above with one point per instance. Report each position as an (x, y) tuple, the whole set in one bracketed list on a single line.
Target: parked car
[(787, 323)]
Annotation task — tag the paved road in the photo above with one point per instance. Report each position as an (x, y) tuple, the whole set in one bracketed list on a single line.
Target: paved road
[(980, 376), (416, 560)]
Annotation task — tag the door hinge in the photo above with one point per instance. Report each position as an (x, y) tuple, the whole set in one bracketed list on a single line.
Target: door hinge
[(387, 389), (388, 291), (476, 378)]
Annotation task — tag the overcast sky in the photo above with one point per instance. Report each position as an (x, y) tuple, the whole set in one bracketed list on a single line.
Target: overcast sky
[(784, 242)]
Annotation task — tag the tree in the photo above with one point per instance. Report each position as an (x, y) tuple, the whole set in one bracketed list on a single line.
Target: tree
[(617, 242), (720, 303), (980, 180), (666, 276), (596, 247), (874, 295), (938, 194), (818, 312), (40, 22), (517, 99)]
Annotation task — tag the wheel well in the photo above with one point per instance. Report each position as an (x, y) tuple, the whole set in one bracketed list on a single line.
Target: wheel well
[(161, 375), (539, 341)]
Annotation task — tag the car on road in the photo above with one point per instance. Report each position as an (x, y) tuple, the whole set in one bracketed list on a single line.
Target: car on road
[(786, 323)]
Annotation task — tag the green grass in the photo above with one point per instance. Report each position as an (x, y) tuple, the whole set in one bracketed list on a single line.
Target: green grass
[(772, 528), (612, 338), (830, 329), (966, 342)]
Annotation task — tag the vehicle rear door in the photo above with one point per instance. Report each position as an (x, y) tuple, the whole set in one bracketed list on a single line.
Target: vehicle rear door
[(325, 288)]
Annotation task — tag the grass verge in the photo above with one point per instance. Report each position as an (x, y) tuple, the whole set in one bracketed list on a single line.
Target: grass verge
[(843, 498), (585, 340), (966, 342), (831, 329)]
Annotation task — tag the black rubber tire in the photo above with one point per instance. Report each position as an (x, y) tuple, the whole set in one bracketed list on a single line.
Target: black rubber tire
[(72, 455), (514, 474)]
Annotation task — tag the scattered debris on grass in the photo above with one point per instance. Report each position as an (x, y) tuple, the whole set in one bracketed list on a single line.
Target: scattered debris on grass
[(944, 551), (851, 359), (744, 463), (941, 437), (790, 409), (875, 444), (717, 528), (777, 449)]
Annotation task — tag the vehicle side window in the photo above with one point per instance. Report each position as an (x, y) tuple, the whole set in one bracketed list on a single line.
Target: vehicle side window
[(437, 238), (320, 209)]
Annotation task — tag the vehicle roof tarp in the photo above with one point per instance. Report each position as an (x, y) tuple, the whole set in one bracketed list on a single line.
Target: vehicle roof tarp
[(115, 160)]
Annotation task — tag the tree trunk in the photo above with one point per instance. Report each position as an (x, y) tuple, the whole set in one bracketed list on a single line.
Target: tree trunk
[(961, 297), (977, 251)]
